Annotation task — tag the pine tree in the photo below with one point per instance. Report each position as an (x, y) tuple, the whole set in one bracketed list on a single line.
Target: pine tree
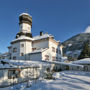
[(86, 51)]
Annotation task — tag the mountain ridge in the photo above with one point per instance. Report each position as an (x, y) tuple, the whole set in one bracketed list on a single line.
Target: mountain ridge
[(74, 45)]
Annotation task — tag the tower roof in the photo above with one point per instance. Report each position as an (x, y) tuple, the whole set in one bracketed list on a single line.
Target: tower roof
[(25, 18), (25, 14)]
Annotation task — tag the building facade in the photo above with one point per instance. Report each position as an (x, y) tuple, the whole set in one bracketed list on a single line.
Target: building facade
[(28, 47)]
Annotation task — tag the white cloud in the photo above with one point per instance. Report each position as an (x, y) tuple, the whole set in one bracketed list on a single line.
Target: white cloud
[(87, 30)]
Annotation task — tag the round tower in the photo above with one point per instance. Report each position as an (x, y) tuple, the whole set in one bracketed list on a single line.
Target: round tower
[(25, 23)]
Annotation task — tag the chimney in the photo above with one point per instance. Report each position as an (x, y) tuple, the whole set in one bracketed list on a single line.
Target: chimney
[(41, 33)]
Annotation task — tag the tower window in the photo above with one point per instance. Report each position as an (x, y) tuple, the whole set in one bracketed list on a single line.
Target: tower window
[(22, 45), (14, 49)]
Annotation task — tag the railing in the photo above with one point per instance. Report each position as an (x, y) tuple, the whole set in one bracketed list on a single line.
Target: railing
[(24, 75)]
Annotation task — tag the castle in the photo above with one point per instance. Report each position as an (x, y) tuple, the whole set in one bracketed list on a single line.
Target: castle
[(36, 48)]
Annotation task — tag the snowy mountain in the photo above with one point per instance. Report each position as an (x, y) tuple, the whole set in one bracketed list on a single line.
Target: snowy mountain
[(74, 45)]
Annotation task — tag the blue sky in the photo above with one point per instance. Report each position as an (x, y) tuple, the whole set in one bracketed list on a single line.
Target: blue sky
[(61, 18)]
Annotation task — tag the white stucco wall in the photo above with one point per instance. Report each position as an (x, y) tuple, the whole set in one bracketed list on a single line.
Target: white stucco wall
[(17, 54), (27, 47), (24, 27), (41, 44), (35, 57), (47, 52), (52, 44), (25, 50)]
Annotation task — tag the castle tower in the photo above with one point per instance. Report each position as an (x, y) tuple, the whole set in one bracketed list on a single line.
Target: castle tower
[(22, 44), (25, 23)]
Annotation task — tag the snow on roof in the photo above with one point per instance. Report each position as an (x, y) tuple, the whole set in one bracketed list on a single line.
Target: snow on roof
[(23, 63), (6, 64), (22, 38), (34, 38), (19, 63), (38, 37), (25, 14), (83, 61), (63, 63), (41, 37)]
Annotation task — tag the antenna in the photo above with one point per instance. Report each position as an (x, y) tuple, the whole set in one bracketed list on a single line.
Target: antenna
[(26, 10)]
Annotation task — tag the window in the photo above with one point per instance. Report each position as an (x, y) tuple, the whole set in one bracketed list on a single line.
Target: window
[(14, 57), (14, 50), (56, 50), (9, 55), (53, 58), (22, 45), (59, 51), (10, 74), (21, 26), (29, 28), (53, 49), (13, 74), (57, 58), (46, 57), (22, 54), (33, 49)]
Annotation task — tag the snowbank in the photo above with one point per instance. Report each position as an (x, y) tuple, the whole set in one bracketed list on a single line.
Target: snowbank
[(66, 80), (82, 61)]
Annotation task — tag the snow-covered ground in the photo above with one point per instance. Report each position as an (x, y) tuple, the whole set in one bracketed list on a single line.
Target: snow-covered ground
[(66, 80)]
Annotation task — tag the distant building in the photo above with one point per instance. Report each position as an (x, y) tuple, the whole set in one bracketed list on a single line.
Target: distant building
[(85, 62), (27, 47), (4, 55)]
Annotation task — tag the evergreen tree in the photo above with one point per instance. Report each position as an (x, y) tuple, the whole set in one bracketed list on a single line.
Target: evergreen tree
[(86, 51)]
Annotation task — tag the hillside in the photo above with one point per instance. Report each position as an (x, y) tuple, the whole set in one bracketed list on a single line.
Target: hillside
[(74, 45)]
